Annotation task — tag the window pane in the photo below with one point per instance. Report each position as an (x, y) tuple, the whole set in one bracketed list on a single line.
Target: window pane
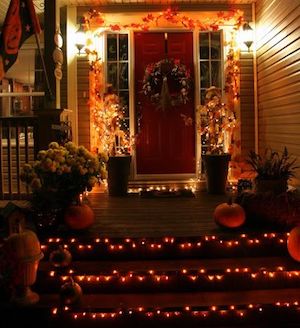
[(111, 47), (215, 45), (123, 76), (112, 75), (204, 75), (216, 73), (124, 100), (123, 47), (204, 45), (202, 96)]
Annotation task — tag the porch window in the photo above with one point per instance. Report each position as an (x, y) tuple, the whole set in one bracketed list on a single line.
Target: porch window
[(117, 72), (22, 88), (210, 63), (210, 58)]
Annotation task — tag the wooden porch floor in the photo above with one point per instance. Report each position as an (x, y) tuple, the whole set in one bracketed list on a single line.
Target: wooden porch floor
[(135, 216)]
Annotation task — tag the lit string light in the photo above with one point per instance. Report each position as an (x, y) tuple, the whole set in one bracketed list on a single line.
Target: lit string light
[(167, 243), (239, 311)]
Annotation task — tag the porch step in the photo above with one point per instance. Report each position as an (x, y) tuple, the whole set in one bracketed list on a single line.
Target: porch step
[(173, 276), (229, 245), (257, 308), (237, 291)]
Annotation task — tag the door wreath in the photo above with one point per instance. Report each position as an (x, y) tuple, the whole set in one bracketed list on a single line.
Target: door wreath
[(156, 86)]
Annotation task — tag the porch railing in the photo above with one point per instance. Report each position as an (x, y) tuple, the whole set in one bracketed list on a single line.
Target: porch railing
[(18, 145)]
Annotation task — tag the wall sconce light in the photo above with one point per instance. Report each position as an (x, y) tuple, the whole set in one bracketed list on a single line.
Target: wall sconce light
[(247, 35), (80, 36)]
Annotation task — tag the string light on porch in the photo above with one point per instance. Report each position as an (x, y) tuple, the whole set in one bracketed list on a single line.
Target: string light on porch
[(95, 20), (187, 278), (204, 314), (177, 246)]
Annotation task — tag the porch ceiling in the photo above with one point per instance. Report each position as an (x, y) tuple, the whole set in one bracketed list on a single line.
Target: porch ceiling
[(39, 4)]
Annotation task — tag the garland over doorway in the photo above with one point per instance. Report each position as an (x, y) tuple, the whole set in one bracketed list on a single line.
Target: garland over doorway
[(95, 20)]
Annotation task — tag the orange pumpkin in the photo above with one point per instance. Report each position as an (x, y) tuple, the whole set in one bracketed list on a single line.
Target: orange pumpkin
[(70, 293), (60, 257), (293, 243), (78, 217), (229, 215)]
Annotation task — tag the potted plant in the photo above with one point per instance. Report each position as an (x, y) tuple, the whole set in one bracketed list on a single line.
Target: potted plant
[(216, 124), (57, 178), (273, 170)]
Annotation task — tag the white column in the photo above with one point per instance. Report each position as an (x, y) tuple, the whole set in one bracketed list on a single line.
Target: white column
[(71, 63)]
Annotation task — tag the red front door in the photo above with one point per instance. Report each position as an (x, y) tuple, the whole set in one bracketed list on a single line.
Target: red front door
[(164, 144)]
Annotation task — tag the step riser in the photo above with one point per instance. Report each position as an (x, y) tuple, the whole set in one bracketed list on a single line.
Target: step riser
[(173, 282), (205, 251)]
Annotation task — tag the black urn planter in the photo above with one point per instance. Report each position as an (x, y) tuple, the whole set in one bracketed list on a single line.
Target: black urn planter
[(118, 168), (216, 171)]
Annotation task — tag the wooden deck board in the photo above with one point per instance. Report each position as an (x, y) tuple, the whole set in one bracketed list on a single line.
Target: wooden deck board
[(134, 216), (161, 300), (253, 264)]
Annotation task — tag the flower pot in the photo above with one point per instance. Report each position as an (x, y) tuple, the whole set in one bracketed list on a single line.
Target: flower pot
[(276, 186), (118, 168), (216, 171)]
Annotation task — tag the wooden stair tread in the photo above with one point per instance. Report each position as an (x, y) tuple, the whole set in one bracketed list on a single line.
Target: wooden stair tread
[(253, 263), (193, 299)]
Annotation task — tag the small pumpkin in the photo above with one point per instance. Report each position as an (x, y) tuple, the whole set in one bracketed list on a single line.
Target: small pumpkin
[(293, 243), (229, 215), (78, 217), (25, 246), (60, 257), (70, 292)]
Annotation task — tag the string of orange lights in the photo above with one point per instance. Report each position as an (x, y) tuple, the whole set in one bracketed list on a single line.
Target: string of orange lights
[(185, 312), (165, 244)]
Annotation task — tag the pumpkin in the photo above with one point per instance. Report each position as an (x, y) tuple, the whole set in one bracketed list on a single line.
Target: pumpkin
[(229, 215), (293, 243), (70, 292), (25, 246), (78, 217), (60, 257), (24, 250)]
